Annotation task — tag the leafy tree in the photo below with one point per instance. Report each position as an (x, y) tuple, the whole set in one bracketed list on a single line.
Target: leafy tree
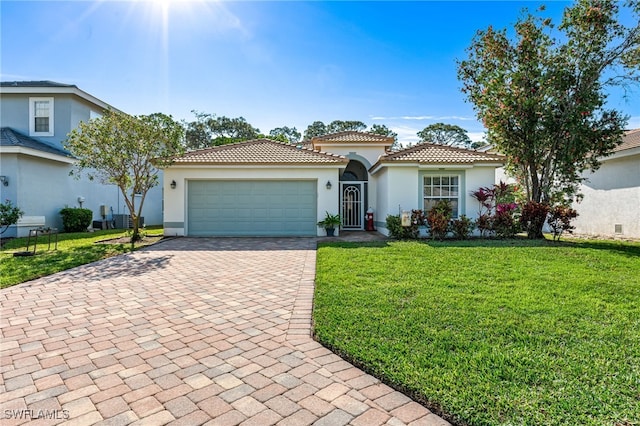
[(209, 130), (542, 96), (317, 128), (382, 130), (445, 134), (9, 215), (345, 126), (124, 150), (289, 134)]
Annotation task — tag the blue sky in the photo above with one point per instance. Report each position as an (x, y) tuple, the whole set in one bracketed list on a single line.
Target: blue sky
[(274, 63)]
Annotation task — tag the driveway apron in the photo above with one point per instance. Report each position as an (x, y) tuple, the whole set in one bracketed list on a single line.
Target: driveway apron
[(188, 331)]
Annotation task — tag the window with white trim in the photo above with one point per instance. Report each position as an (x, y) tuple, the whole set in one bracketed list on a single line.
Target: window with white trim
[(41, 116), (442, 187)]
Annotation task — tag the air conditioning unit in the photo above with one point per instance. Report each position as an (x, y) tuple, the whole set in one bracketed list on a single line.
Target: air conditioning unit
[(123, 221)]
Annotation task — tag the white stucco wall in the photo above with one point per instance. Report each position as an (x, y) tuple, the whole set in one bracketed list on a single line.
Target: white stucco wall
[(175, 200), (611, 197), (398, 187), (42, 187)]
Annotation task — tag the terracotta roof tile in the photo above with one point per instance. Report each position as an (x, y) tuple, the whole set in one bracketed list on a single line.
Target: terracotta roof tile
[(352, 136), (259, 152), (631, 139), (430, 153)]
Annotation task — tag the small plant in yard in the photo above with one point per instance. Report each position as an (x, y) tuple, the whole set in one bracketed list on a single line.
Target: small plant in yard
[(559, 220), (9, 215), (462, 227), (438, 219), (330, 223)]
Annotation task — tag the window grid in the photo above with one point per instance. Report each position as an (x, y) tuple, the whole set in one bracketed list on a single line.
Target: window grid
[(442, 187), (41, 116)]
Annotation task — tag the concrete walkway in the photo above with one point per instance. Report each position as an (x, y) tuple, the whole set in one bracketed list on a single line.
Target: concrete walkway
[(188, 331)]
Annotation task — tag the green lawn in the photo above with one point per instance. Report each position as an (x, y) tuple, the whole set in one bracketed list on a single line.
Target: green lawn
[(491, 332), (74, 249)]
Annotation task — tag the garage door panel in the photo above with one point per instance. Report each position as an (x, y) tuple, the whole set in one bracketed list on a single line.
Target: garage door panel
[(260, 208)]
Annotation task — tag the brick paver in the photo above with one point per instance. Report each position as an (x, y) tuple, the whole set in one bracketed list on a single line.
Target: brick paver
[(188, 331)]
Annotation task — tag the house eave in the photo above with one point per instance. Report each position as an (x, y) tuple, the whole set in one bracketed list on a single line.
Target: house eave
[(42, 90), (36, 153), (432, 166), (255, 165), (622, 154)]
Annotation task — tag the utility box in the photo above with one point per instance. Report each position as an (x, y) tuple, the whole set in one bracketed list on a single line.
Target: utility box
[(123, 221)]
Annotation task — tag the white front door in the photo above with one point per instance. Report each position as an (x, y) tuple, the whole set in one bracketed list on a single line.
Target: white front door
[(352, 203)]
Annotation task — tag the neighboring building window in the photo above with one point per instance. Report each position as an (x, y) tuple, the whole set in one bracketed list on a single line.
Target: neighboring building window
[(41, 116), (444, 187)]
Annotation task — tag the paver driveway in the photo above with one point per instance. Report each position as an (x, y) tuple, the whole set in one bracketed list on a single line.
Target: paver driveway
[(189, 331)]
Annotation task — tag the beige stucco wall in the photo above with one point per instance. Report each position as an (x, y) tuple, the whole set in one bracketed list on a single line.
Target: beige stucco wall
[(175, 200), (611, 197)]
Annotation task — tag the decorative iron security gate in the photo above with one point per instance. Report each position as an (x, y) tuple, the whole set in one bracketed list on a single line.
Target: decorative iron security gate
[(352, 202)]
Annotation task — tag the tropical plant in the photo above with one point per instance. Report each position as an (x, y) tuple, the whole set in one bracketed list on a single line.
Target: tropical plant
[(9, 215), (438, 219), (462, 227), (559, 220)]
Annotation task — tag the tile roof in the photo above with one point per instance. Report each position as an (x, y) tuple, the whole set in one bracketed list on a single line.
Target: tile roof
[(259, 152), (352, 136), (10, 137), (631, 139), (430, 153), (44, 83)]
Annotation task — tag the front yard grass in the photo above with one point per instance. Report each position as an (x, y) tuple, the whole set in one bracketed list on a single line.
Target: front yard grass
[(74, 249), (512, 332)]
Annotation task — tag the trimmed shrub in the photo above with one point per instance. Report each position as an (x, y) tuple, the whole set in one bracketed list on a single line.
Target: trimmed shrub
[(76, 220)]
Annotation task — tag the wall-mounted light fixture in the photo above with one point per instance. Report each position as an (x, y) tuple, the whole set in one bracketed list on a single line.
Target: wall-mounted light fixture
[(173, 184), (4, 180), (80, 201), (328, 184)]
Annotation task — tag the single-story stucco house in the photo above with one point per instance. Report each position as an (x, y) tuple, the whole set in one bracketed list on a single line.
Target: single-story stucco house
[(35, 119), (611, 203), (268, 188)]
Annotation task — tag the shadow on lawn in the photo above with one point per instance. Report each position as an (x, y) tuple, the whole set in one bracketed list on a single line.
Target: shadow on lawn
[(96, 264), (628, 249)]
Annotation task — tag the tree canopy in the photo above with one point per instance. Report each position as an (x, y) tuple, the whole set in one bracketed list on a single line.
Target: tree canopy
[(122, 149), (445, 134), (210, 130), (289, 134), (542, 92)]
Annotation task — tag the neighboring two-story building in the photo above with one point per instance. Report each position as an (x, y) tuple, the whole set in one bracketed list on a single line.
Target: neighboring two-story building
[(35, 119)]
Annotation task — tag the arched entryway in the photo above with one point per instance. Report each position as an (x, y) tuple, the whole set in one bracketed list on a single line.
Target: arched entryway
[(353, 195)]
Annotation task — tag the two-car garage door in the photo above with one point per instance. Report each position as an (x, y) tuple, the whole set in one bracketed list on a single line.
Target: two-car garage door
[(251, 208)]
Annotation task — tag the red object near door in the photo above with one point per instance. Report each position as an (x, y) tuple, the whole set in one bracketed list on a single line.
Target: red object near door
[(368, 220)]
